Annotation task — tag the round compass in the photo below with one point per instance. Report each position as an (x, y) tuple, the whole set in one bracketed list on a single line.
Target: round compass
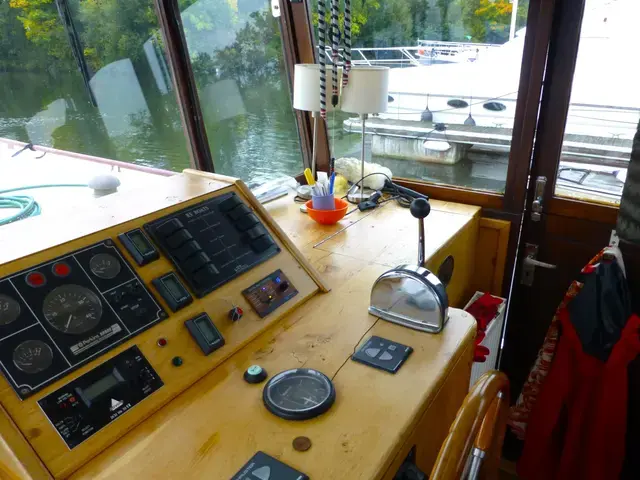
[(299, 394)]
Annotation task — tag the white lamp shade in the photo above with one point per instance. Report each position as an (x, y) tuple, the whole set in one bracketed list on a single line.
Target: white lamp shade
[(367, 91), (306, 87)]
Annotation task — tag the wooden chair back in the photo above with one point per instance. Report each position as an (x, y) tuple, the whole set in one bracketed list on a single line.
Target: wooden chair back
[(479, 427)]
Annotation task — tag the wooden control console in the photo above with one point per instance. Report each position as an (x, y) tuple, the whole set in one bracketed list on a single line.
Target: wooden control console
[(110, 313)]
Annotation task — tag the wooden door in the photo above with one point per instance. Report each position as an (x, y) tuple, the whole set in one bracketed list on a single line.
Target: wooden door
[(576, 219)]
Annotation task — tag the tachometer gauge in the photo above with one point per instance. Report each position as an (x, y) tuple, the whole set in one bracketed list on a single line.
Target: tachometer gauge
[(33, 356), (299, 394), (105, 266), (9, 310), (72, 309)]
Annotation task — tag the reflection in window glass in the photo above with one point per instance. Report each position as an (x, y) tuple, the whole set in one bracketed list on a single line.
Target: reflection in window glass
[(453, 62), (605, 104), (89, 77), (238, 62)]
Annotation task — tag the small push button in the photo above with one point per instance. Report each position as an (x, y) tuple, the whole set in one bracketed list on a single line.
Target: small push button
[(196, 262), (263, 243), (246, 222), (187, 250), (240, 211), (206, 276), (229, 204), (170, 226), (256, 232), (179, 238)]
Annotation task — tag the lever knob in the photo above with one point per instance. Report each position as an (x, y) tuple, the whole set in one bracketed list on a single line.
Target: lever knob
[(420, 208)]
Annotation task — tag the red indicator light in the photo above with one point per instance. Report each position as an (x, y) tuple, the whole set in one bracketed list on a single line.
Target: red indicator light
[(36, 279), (162, 342), (72, 399), (61, 269)]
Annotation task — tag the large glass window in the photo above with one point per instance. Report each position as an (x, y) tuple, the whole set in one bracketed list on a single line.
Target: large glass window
[(236, 52), (455, 69), (605, 105), (88, 77)]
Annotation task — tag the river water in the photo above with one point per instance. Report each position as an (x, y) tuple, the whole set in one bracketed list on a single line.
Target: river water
[(134, 121)]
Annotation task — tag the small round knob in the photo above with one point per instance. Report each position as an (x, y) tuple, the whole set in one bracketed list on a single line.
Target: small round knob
[(284, 286), (235, 314), (177, 361), (255, 374), (420, 208)]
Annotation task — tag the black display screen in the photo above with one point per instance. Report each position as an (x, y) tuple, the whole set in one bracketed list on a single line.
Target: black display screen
[(209, 334), (103, 385), (140, 242), (174, 287)]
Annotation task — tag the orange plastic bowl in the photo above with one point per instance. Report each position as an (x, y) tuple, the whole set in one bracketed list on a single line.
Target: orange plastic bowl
[(328, 217)]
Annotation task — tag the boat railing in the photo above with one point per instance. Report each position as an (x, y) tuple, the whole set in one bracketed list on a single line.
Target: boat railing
[(421, 54)]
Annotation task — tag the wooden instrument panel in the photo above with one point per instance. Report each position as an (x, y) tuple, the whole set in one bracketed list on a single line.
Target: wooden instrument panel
[(167, 345)]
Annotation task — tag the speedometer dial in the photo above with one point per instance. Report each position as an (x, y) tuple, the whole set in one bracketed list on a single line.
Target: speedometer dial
[(9, 310), (72, 309)]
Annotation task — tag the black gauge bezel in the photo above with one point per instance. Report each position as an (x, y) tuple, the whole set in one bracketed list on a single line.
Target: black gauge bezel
[(305, 414)]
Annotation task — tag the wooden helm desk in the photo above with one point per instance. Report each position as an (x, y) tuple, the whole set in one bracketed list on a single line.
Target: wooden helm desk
[(206, 421)]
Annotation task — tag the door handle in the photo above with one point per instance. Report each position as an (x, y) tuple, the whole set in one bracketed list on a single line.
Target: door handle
[(536, 205), (529, 264), (532, 263)]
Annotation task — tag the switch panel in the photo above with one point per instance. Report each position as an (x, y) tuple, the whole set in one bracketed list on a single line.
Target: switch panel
[(270, 293), (213, 242)]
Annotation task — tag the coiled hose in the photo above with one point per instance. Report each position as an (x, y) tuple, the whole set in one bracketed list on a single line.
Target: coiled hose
[(26, 205)]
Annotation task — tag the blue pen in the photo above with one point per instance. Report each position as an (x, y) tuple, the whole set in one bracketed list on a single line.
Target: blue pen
[(331, 182)]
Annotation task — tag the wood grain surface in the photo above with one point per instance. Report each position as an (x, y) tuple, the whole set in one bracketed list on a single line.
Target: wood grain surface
[(215, 426)]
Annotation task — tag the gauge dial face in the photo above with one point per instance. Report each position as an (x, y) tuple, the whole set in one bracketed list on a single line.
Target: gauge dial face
[(9, 310), (105, 266), (72, 309), (299, 394), (33, 356)]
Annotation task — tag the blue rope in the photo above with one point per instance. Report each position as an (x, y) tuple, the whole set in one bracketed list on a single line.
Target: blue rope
[(26, 205)]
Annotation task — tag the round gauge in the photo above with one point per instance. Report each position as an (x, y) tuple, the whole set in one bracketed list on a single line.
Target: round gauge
[(299, 394), (72, 309), (9, 310), (33, 356), (105, 266)]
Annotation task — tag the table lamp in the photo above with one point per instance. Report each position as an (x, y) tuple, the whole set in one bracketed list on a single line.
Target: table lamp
[(306, 97), (367, 92)]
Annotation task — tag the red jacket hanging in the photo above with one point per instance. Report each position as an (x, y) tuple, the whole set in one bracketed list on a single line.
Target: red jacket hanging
[(577, 428)]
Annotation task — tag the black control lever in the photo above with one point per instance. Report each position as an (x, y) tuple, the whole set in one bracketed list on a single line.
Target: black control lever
[(420, 209)]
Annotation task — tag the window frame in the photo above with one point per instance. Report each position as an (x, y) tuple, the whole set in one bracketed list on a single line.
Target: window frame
[(295, 21)]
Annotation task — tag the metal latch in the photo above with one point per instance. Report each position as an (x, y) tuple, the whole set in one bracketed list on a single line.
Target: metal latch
[(536, 205), (275, 8), (530, 263)]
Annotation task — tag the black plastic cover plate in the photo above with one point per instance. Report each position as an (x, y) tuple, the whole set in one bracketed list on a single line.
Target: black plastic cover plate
[(139, 246), (382, 353), (205, 333), (299, 394), (264, 467), (172, 291)]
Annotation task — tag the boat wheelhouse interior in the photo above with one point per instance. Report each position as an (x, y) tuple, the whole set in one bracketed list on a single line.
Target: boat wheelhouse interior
[(319, 239)]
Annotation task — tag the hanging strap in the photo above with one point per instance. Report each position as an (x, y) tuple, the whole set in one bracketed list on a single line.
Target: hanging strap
[(347, 43), (335, 33), (322, 42)]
